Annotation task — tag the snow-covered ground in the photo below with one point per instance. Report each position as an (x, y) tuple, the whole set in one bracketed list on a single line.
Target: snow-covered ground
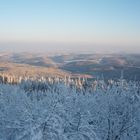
[(62, 112)]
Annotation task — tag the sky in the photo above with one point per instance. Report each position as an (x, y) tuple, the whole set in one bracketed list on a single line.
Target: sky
[(70, 25)]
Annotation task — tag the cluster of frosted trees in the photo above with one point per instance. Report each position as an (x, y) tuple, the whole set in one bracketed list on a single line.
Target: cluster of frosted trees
[(67, 79), (58, 110)]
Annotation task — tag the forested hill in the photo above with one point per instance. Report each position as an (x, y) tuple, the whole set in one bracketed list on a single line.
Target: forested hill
[(90, 65), (34, 110)]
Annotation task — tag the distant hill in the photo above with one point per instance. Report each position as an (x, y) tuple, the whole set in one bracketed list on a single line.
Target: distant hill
[(32, 59), (91, 65), (106, 65), (28, 70)]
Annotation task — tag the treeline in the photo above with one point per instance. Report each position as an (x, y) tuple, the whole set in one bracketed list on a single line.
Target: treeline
[(45, 83)]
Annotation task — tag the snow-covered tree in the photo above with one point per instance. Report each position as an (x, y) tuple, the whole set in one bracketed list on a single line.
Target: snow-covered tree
[(43, 110)]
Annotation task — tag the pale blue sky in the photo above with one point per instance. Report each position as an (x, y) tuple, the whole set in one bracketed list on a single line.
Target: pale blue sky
[(105, 23)]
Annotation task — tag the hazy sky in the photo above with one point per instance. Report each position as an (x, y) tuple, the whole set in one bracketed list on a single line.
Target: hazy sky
[(84, 25)]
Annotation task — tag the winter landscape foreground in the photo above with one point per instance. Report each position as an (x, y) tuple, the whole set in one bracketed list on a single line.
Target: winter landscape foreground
[(70, 110)]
